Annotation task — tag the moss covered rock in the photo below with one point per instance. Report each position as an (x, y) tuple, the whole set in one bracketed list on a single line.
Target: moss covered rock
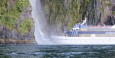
[(15, 20)]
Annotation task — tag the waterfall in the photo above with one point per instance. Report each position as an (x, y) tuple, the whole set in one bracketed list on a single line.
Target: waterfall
[(39, 23)]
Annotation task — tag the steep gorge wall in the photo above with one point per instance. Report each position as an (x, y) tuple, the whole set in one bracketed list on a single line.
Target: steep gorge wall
[(16, 21), (63, 14)]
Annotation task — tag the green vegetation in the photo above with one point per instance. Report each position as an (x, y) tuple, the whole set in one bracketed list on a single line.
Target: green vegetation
[(25, 26), (69, 12), (10, 13)]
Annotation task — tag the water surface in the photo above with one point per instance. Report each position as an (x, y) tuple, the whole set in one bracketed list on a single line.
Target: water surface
[(56, 51)]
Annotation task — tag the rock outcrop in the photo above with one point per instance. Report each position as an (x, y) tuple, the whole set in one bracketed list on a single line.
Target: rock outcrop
[(15, 20)]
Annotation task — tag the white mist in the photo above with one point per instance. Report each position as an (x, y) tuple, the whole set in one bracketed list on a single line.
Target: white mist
[(39, 23)]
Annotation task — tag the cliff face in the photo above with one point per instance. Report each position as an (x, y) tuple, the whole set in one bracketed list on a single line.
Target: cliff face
[(62, 14), (15, 20)]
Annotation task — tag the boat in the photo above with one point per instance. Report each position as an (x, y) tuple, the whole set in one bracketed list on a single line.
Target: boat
[(82, 34), (95, 37)]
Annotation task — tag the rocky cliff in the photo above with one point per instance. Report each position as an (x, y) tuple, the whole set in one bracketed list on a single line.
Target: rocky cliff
[(15, 20)]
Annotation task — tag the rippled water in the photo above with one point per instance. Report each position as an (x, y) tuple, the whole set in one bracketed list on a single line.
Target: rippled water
[(56, 51)]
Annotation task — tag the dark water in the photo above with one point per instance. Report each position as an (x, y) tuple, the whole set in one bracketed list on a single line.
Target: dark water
[(59, 51)]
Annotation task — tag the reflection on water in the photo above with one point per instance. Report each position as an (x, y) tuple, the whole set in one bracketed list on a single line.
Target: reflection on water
[(59, 51)]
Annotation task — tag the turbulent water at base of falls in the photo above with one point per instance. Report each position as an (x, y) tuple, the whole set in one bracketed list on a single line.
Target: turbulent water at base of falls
[(39, 22)]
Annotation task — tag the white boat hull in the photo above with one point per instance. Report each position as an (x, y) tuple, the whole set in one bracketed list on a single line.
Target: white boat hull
[(61, 40)]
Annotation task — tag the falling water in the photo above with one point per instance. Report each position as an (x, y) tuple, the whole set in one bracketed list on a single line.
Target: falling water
[(39, 22)]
